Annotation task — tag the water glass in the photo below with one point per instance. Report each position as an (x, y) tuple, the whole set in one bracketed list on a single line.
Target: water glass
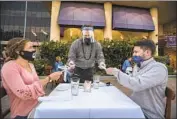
[(96, 81), (87, 86), (75, 86)]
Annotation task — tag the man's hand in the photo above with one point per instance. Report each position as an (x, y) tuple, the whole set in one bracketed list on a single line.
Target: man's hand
[(102, 65), (71, 65), (112, 71)]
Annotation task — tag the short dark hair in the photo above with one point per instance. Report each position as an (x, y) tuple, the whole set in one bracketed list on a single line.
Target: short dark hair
[(146, 44)]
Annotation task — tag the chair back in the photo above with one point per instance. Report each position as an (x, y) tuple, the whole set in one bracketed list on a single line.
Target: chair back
[(170, 95)]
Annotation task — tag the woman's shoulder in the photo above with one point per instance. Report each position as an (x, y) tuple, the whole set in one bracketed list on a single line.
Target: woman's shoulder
[(9, 65)]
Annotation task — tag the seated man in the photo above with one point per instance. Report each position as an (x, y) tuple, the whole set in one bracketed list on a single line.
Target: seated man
[(148, 80), (58, 66), (126, 64)]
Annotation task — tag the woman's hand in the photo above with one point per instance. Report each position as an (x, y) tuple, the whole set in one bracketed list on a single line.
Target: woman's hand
[(55, 76)]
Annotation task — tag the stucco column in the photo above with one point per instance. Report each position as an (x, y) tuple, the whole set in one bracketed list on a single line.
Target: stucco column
[(154, 34), (54, 27), (108, 20)]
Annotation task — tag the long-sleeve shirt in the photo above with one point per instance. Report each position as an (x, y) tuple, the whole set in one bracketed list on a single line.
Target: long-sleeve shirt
[(125, 65), (56, 66), (22, 87), (78, 51), (148, 84)]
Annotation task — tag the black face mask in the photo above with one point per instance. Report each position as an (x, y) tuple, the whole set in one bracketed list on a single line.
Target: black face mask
[(87, 41), (30, 56)]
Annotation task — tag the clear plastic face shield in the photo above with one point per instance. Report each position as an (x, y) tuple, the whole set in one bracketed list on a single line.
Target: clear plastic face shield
[(88, 35)]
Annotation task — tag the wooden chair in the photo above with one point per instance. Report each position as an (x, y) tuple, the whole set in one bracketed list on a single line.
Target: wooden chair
[(170, 95), (7, 111)]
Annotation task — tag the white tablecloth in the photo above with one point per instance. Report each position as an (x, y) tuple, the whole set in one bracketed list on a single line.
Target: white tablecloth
[(105, 102)]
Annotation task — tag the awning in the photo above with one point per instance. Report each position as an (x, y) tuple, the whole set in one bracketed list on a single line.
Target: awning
[(80, 13), (132, 19)]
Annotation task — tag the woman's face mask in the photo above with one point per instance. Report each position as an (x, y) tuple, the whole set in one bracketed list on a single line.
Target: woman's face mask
[(29, 52), (28, 55)]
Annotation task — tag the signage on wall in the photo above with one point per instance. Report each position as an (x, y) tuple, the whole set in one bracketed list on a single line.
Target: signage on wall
[(171, 41)]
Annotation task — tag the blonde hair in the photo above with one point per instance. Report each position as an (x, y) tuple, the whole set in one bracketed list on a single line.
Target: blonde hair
[(16, 45), (58, 58)]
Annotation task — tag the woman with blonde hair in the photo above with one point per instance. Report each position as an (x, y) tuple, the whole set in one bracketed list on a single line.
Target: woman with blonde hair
[(20, 79)]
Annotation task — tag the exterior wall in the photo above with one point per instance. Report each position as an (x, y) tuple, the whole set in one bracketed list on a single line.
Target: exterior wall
[(12, 15), (170, 28), (154, 34), (128, 35), (74, 33), (172, 54), (55, 28), (108, 20), (107, 32), (160, 30)]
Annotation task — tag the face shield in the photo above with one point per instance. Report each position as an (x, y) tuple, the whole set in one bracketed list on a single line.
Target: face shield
[(88, 35)]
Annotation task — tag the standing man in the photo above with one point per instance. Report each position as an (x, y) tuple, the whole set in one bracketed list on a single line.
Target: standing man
[(84, 53), (148, 81)]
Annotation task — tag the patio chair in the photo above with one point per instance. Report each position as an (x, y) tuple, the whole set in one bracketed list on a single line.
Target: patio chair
[(3, 94), (170, 95)]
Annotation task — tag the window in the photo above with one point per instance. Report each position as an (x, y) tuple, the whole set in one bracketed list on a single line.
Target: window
[(12, 19)]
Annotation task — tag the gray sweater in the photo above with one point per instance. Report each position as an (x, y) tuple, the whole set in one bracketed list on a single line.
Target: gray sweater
[(77, 54), (148, 84)]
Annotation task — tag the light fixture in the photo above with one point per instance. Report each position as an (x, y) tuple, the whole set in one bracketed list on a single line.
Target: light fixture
[(32, 31), (45, 33)]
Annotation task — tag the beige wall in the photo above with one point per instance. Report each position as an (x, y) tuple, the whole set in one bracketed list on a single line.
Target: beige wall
[(108, 20), (154, 34), (54, 27), (71, 33), (76, 33), (99, 34), (160, 30), (128, 35)]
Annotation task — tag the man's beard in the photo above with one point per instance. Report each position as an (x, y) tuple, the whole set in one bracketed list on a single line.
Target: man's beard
[(87, 41)]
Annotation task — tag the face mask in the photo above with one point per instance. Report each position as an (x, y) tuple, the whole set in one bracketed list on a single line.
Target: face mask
[(87, 41), (30, 56), (137, 59)]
